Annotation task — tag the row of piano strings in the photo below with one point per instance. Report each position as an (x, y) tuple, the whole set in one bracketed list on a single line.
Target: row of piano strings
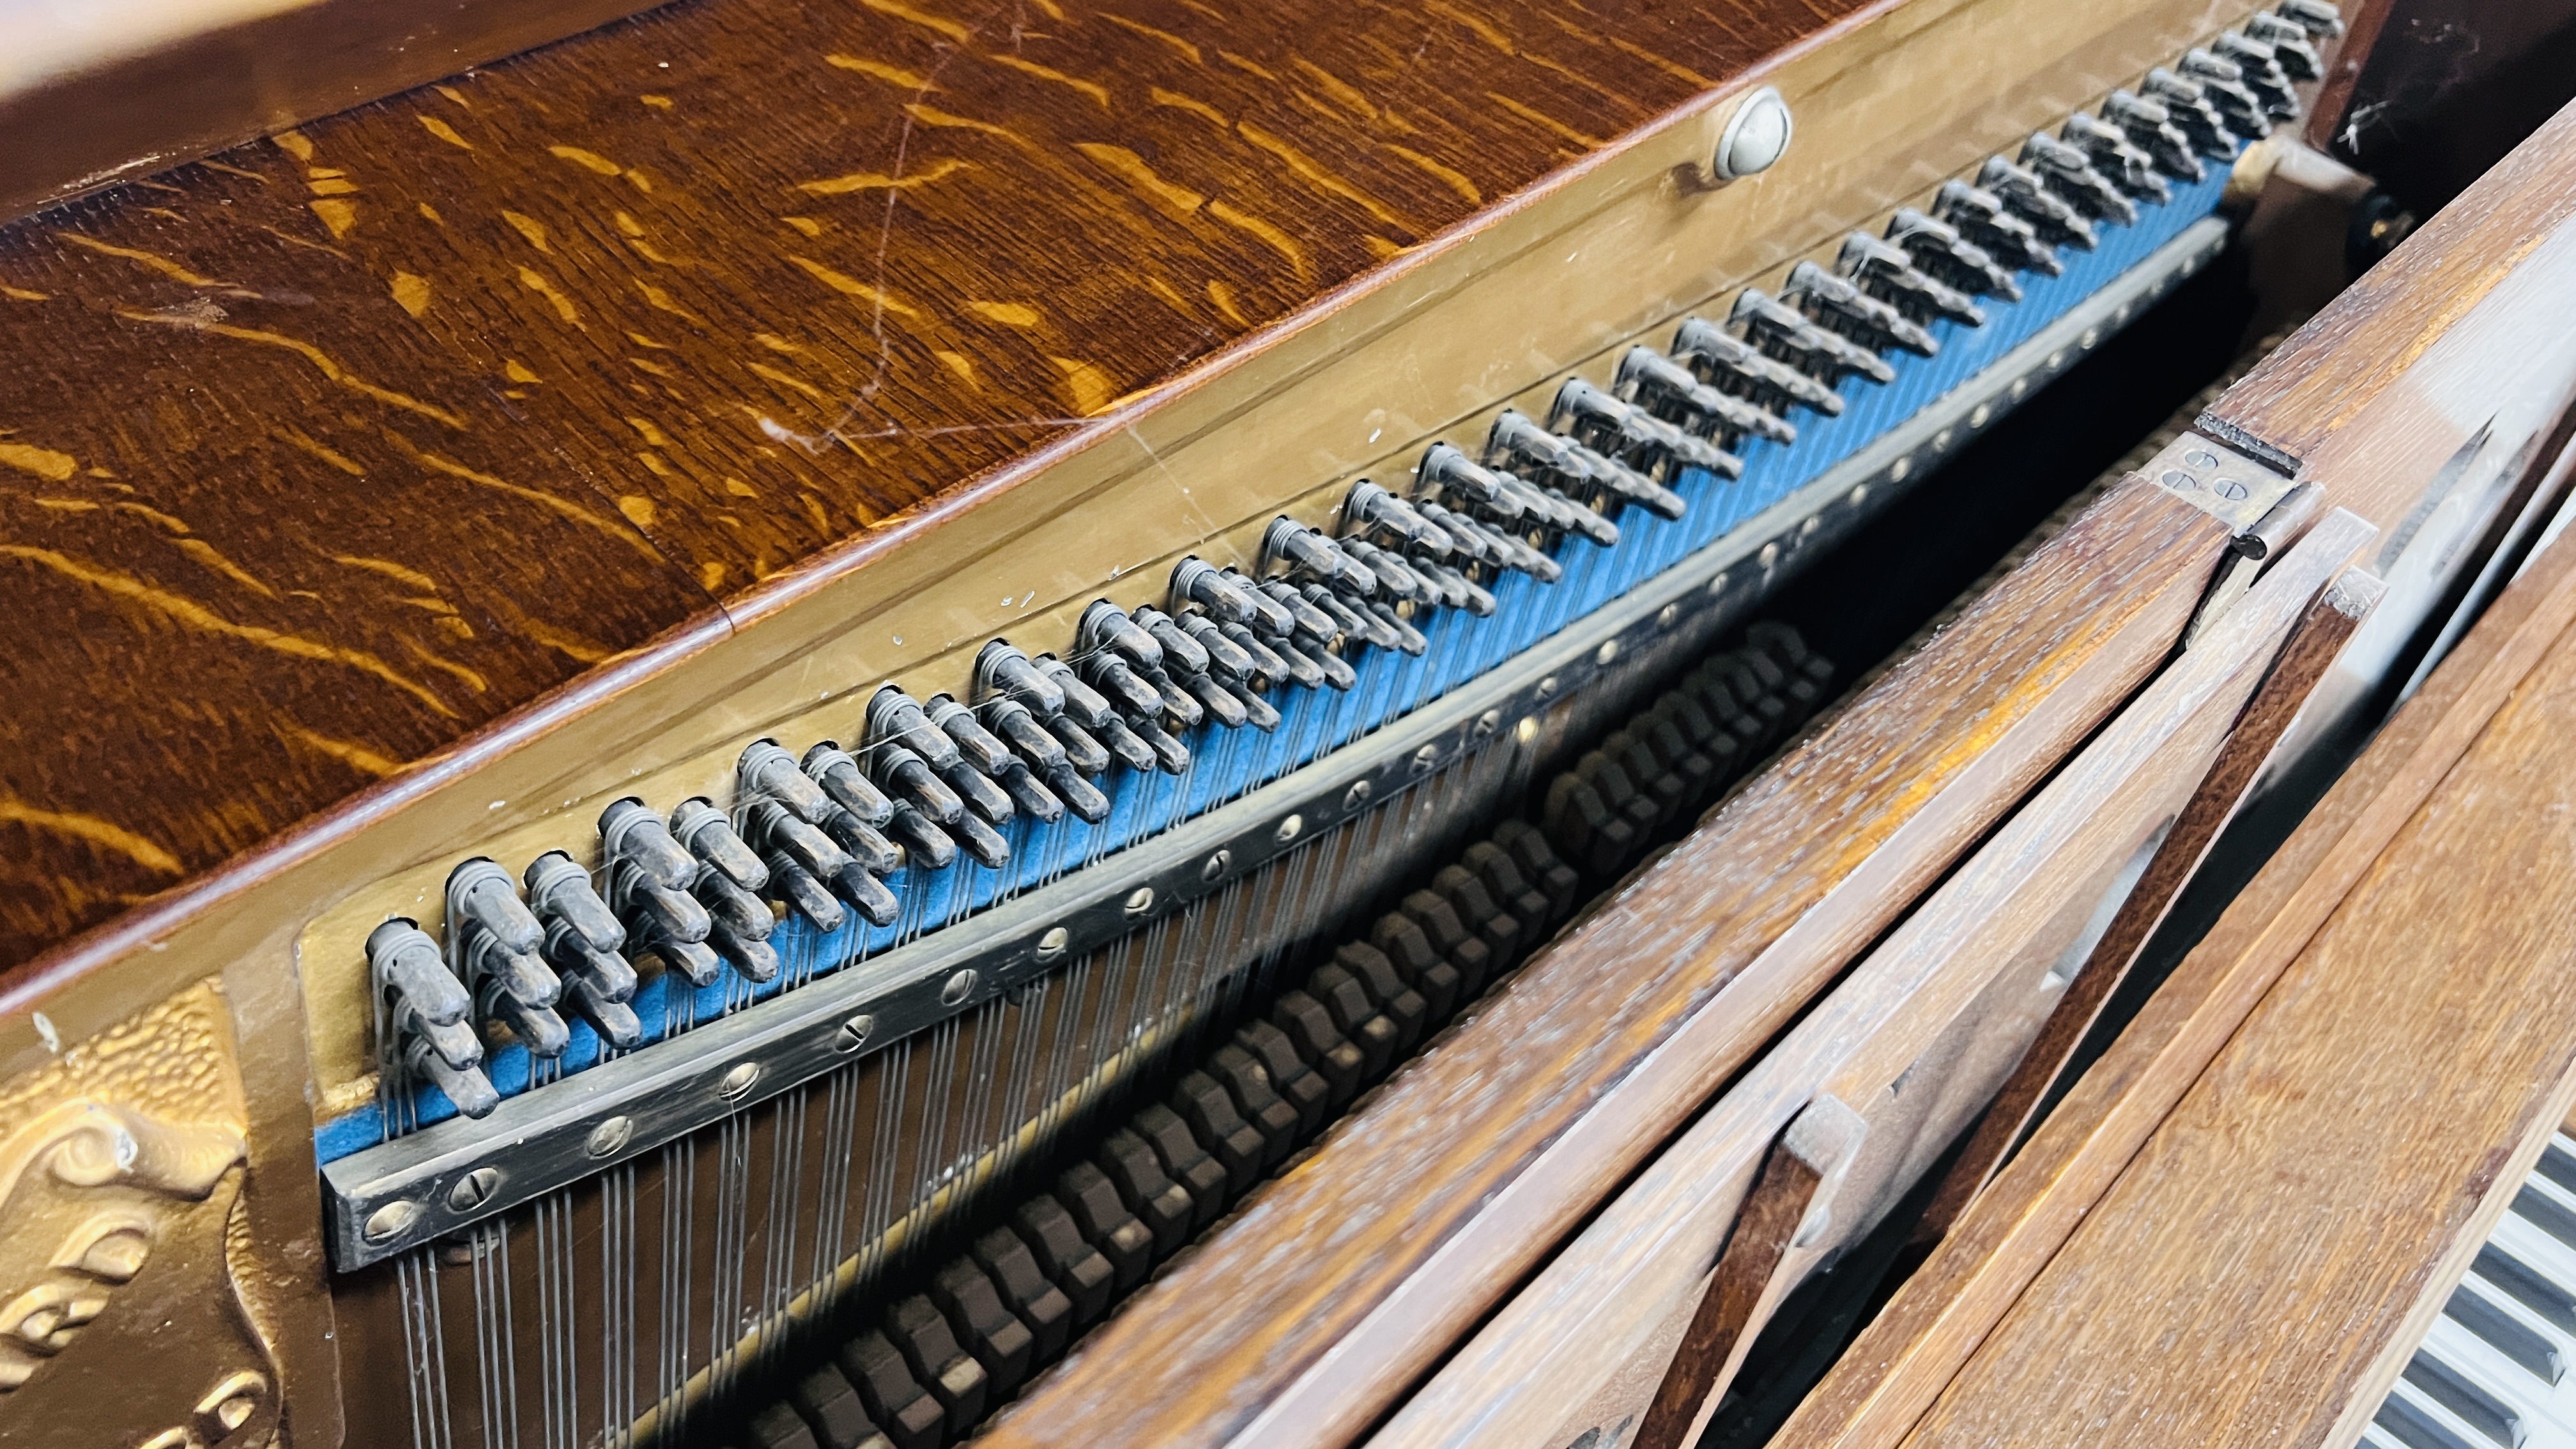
[(1153, 715), (668, 1296)]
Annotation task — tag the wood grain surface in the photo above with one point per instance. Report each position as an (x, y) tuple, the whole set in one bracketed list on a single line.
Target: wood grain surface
[(324, 452), (1881, 1385), (1340, 1282), (2319, 637), (2254, 1272), (2407, 365)]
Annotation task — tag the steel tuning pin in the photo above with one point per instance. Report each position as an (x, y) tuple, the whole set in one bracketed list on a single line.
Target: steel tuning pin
[(1496, 548), (700, 826), (1739, 369), (1306, 553), (1232, 668), (784, 838), (1196, 581), (1182, 658), (911, 751), (421, 1017), (1003, 668), (648, 878), (1667, 390), (583, 942), (2150, 127), (1396, 580), (2222, 81), (1313, 635), (2056, 219), (1563, 515), (2124, 164), (1357, 626), (1268, 664), (993, 760), (1838, 305), (2263, 74), (2321, 19), (1370, 510), (1941, 251), (1453, 476), (2292, 49), (1886, 271), (1188, 667), (1983, 218), (2067, 170), (1598, 419), (493, 941), (1043, 755), (1785, 333), (806, 896), (837, 774), (1090, 712), (2192, 112), (767, 769), (1516, 443)]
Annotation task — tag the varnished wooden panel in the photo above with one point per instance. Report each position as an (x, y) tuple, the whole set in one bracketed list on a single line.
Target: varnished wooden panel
[(1875, 1392), (2408, 364), (593, 340), (2253, 1273), (1341, 1282)]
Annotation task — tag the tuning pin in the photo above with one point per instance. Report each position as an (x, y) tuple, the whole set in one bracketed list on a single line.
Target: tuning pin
[(1336, 670), (806, 896), (1126, 690), (709, 836), (1672, 392), (537, 1027), (2192, 112), (866, 843), (524, 975), (1181, 653), (656, 915), (1453, 475), (896, 718), (560, 891), (741, 923), (1085, 753), (1267, 663), (611, 1017), (1785, 333), (1839, 305), (910, 780), (1733, 366), (1496, 548), (1217, 701), (1296, 549), (481, 903), (982, 749), (767, 769), (1395, 578), (463, 1082), (2125, 165), (1887, 273), (2052, 216), (1196, 581), (1567, 516), (2260, 64), (1983, 218), (1002, 669), (1602, 421), (1226, 659), (2068, 171), (597, 984), (974, 785), (2150, 126), (632, 832), (2222, 81), (1407, 638), (1083, 704), (846, 785), (1122, 741), (818, 858), (1462, 591), (410, 972), (1355, 627), (1942, 252), (2321, 19), (1517, 443), (1106, 630), (1366, 507), (2292, 50), (1170, 755), (929, 846)]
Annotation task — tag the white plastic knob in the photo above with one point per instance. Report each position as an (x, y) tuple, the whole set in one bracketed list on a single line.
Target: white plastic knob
[(1756, 136)]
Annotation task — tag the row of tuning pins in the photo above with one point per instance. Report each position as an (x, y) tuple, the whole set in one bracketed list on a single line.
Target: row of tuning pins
[(1725, 381)]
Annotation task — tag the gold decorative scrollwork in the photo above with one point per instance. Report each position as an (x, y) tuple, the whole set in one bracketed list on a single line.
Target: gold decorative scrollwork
[(122, 1321)]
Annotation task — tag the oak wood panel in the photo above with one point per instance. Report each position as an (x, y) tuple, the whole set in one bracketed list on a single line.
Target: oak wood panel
[(593, 278), (1338, 1283), (2401, 371), (1902, 1052), (1878, 1388), (2312, 647), (2256, 1272)]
